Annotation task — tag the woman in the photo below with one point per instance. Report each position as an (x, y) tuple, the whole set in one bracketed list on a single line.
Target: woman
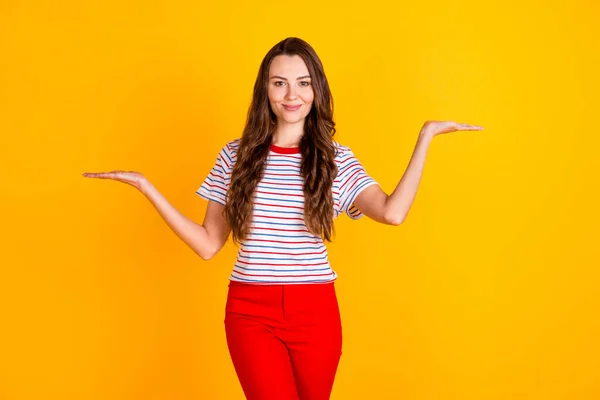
[(277, 189)]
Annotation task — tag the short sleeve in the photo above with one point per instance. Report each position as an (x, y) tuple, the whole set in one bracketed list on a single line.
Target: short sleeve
[(353, 179), (216, 184)]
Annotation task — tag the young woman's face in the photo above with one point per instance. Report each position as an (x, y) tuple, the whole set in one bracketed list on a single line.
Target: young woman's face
[(290, 89)]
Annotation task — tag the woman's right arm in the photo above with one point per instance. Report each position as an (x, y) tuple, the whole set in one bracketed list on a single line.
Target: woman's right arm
[(207, 239)]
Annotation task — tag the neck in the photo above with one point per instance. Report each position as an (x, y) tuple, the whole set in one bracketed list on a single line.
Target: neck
[(288, 135)]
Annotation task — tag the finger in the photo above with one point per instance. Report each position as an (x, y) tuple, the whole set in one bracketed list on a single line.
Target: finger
[(100, 175), (470, 127)]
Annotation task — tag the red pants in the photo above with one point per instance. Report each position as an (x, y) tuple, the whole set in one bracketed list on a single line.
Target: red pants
[(285, 341)]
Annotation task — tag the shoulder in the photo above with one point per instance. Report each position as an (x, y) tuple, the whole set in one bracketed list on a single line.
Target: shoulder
[(232, 146), (343, 154), (340, 149), (228, 153)]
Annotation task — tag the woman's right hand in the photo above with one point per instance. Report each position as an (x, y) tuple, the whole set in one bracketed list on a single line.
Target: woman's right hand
[(132, 178), (205, 239)]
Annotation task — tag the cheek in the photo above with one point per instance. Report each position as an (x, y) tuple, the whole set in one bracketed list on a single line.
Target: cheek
[(309, 97), (274, 94)]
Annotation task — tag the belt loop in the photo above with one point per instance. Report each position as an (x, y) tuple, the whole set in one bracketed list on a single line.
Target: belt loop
[(283, 301)]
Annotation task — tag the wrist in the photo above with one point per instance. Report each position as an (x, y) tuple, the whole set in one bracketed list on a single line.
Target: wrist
[(426, 134), (145, 186)]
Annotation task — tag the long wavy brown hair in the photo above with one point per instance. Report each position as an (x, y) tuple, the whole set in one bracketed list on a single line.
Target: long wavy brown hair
[(316, 147)]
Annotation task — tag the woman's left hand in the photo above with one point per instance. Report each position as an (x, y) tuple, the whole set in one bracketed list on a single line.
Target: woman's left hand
[(435, 128)]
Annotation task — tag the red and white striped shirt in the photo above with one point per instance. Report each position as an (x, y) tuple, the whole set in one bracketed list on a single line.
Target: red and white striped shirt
[(279, 248)]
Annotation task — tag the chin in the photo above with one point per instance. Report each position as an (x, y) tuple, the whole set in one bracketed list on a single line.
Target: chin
[(293, 121)]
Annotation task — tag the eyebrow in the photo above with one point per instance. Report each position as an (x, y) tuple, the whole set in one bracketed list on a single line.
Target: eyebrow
[(281, 77)]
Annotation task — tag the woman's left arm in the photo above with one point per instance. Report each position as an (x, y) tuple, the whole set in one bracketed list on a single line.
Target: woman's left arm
[(393, 209)]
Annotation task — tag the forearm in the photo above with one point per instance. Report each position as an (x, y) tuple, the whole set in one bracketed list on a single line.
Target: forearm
[(400, 201), (192, 233)]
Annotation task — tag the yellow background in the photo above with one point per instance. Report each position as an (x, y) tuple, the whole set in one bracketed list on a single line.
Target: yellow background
[(489, 290)]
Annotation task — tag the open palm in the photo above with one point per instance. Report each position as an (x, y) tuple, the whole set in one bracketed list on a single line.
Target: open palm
[(132, 178), (439, 127)]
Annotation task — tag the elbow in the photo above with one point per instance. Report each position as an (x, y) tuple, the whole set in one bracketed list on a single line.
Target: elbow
[(206, 254), (209, 249), (393, 213), (394, 219)]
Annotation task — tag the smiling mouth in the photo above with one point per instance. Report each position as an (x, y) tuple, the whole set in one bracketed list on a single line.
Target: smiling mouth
[(292, 108)]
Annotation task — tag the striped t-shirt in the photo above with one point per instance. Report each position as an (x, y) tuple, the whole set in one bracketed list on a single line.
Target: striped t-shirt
[(279, 249)]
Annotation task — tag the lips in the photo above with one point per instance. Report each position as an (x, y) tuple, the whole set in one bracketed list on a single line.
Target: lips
[(292, 108)]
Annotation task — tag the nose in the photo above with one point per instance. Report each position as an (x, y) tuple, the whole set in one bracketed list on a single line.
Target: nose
[(291, 92)]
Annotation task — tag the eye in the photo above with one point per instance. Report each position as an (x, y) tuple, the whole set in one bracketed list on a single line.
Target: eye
[(276, 83), (303, 83)]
